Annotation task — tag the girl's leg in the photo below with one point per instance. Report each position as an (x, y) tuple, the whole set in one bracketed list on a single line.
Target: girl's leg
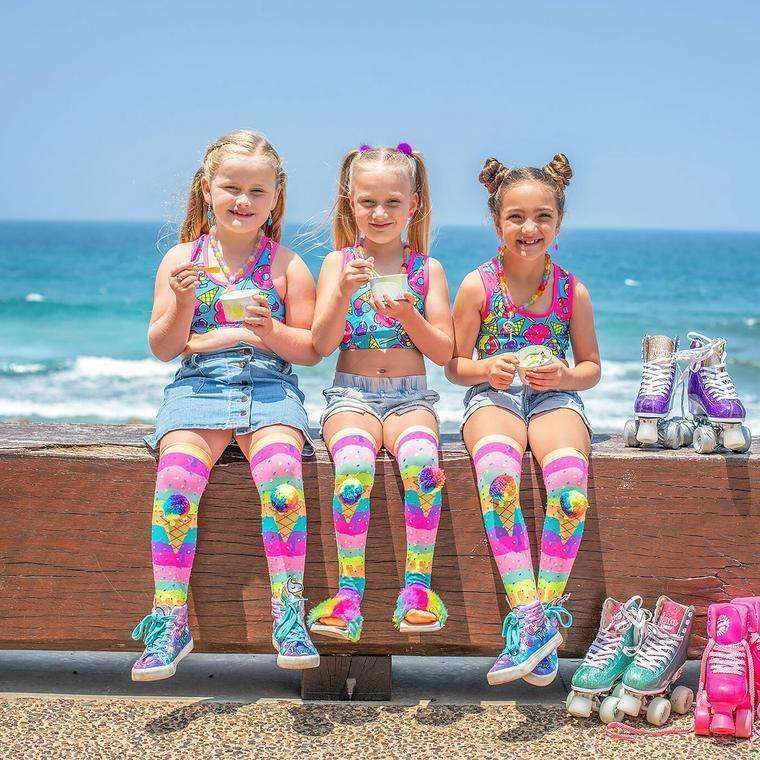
[(496, 440), (274, 453), (185, 461), (353, 439), (413, 439), (560, 442)]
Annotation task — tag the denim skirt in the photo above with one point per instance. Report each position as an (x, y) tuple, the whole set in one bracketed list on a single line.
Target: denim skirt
[(241, 389)]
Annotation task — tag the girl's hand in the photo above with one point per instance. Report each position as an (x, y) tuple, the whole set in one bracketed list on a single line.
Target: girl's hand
[(258, 316), (183, 280), (401, 310), (355, 274), (501, 370), (550, 377)]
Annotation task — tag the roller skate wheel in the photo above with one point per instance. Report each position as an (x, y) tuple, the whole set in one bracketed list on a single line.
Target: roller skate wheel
[(630, 705), (647, 431), (681, 699), (569, 700), (671, 435), (618, 690), (687, 432), (734, 439), (609, 712), (702, 720), (629, 435), (743, 722), (579, 706), (658, 711), (705, 440)]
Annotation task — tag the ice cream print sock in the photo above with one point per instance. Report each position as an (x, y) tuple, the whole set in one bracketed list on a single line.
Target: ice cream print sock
[(353, 452), (183, 472), (417, 457), (566, 479), (498, 465), (277, 472)]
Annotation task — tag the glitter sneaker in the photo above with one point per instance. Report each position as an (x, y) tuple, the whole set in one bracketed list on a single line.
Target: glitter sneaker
[(168, 640)]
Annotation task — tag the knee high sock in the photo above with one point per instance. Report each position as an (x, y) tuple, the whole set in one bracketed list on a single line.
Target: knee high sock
[(417, 456), (354, 453), (498, 465), (277, 472), (566, 479), (183, 472)]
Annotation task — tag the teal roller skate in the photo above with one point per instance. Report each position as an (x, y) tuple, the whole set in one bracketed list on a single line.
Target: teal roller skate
[(658, 663), (596, 683)]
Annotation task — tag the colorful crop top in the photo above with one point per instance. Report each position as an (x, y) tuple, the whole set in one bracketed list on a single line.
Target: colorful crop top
[(550, 329), (209, 314), (365, 328)]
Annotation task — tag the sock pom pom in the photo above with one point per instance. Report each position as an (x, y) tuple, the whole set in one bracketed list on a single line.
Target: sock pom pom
[(503, 487), (573, 503), (175, 506), (350, 491), (284, 497), (431, 478)]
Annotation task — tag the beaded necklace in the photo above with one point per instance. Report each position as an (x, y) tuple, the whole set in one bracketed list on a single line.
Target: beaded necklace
[(359, 248), (216, 251), (510, 308)]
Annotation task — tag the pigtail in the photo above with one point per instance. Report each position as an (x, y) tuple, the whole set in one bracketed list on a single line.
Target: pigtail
[(344, 228), (559, 170), (195, 223), (419, 226), (274, 230), (492, 175)]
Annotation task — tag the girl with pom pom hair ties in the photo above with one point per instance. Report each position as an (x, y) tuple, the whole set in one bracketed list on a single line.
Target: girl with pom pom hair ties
[(520, 299), (235, 379), (380, 396)]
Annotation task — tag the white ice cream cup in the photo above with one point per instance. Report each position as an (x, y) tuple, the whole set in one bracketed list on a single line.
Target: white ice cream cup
[(531, 357), (235, 301), (391, 286)]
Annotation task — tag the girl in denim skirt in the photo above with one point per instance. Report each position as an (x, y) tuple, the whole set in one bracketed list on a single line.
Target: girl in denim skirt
[(385, 304), (237, 306)]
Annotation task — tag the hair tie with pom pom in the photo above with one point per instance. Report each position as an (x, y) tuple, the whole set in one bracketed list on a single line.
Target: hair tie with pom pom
[(502, 486), (431, 478), (363, 148), (404, 148), (175, 506), (284, 497), (351, 491)]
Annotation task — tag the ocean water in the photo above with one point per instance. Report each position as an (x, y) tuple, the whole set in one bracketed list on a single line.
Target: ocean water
[(77, 297)]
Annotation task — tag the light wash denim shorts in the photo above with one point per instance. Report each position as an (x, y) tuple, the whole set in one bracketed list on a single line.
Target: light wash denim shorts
[(242, 389), (522, 401), (378, 396)]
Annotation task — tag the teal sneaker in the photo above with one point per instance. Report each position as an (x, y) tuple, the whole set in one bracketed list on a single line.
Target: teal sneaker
[(530, 636), (167, 637), (295, 650)]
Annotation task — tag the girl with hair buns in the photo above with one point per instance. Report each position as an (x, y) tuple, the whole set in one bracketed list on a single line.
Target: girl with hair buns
[(379, 396), (510, 305), (235, 379)]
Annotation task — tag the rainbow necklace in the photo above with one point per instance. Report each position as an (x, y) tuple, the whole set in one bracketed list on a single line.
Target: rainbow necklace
[(216, 251), (510, 308), (359, 248)]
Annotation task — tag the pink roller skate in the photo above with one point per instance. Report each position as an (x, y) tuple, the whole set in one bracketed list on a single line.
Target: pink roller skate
[(752, 603), (726, 697)]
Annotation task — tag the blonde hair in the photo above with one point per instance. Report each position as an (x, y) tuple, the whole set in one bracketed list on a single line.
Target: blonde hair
[(497, 178), (344, 227), (241, 142)]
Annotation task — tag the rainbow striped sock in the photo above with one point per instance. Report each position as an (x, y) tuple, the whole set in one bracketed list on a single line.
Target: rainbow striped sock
[(566, 479), (498, 464), (183, 472), (417, 456), (277, 471)]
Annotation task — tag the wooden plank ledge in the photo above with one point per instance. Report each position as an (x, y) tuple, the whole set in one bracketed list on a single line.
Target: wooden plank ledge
[(75, 570)]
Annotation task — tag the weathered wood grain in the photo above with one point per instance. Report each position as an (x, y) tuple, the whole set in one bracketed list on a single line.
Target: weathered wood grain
[(75, 568)]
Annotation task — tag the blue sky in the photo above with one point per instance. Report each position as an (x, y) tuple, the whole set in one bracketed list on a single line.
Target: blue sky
[(108, 106)]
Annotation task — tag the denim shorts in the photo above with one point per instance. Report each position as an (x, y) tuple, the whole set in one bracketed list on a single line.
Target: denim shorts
[(522, 401), (378, 396), (242, 389)]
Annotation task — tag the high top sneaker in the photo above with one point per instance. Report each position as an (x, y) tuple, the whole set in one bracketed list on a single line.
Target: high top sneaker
[(167, 641), (295, 650), (725, 703), (752, 603)]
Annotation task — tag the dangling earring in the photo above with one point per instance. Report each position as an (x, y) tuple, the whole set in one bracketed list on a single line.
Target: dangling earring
[(211, 218), (269, 225), (556, 244)]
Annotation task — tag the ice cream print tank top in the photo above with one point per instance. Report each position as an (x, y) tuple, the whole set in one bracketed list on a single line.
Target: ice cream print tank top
[(209, 314), (499, 335), (365, 328)]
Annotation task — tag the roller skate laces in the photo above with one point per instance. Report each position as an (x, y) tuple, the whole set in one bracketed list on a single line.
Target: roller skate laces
[(630, 616)]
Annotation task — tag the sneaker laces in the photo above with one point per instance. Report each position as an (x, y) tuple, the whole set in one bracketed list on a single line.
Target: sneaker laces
[(730, 659), (557, 613), (656, 649), (155, 629), (518, 619), (290, 628)]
